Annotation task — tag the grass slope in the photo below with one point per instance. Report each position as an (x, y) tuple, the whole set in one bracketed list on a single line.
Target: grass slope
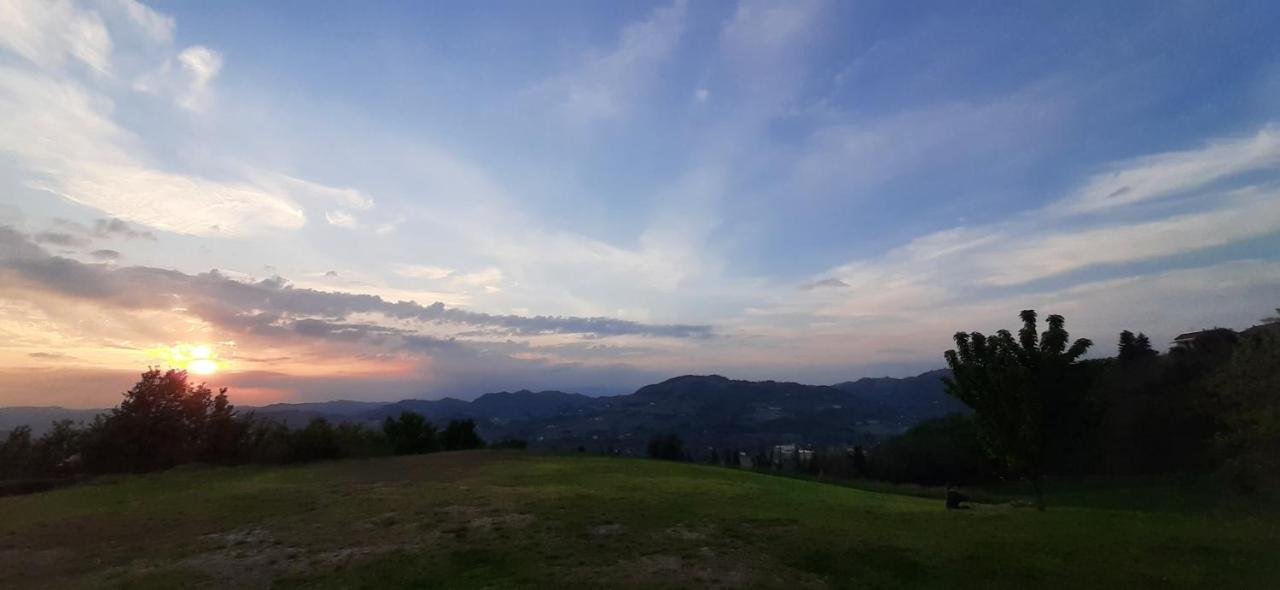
[(501, 520)]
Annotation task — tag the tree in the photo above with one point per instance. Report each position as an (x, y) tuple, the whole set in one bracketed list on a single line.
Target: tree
[(859, 462), (57, 448), (1134, 348), (666, 446), (1246, 392), (411, 434), (1012, 385), (161, 422), (16, 456), (935, 452), (461, 435), (224, 432), (1126, 348), (318, 441)]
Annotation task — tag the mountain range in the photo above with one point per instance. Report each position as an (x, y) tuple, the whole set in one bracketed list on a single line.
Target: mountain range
[(705, 410)]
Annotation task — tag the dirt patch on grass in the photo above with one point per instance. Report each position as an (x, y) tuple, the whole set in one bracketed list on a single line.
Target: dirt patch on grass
[(688, 533), (607, 530), (503, 521), (254, 557)]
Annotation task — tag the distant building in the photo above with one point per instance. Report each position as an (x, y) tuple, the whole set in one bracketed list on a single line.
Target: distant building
[(1189, 339), (1205, 339), (781, 455), (789, 455)]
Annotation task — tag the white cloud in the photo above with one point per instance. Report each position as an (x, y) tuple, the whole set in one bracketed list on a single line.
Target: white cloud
[(858, 155), (201, 65), (47, 32), (947, 268), (701, 95), (69, 146), (59, 127), (306, 190), (421, 271), (765, 42), (341, 219), (156, 28), (187, 78), (488, 278), (1174, 173), (604, 85), (1249, 213)]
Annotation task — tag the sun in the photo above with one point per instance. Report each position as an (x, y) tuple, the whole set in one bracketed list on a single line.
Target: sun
[(200, 360), (202, 367)]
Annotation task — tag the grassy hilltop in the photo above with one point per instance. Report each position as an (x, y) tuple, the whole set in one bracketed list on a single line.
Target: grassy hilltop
[(498, 520)]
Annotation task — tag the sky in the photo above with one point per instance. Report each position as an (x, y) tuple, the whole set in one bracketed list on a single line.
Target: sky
[(306, 201)]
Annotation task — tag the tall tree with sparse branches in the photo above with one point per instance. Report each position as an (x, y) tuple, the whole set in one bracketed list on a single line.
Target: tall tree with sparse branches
[(1011, 384)]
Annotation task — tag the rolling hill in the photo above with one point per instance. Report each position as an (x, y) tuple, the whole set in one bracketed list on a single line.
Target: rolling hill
[(705, 410), (491, 519)]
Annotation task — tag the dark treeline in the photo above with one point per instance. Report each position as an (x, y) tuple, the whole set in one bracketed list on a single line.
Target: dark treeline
[(1210, 405), (165, 421)]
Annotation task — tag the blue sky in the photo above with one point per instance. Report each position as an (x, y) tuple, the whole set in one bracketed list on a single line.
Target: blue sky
[(813, 191)]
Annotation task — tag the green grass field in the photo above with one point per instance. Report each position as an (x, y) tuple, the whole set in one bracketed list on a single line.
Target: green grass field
[(500, 520)]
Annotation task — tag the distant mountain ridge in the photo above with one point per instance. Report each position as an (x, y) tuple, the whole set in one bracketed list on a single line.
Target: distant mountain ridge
[(709, 410), (41, 418)]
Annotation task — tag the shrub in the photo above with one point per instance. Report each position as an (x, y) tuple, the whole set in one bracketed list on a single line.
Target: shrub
[(666, 446), (461, 435), (410, 434)]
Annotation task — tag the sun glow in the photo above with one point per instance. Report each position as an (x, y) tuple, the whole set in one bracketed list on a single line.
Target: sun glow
[(199, 359), (202, 367)]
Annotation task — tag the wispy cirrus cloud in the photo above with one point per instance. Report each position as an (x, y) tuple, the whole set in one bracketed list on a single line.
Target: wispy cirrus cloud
[(605, 84), (965, 263), (1174, 173)]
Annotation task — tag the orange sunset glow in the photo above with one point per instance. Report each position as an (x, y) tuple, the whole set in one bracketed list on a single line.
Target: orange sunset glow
[(199, 359)]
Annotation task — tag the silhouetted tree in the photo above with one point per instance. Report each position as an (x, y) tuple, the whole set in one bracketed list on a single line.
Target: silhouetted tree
[(161, 422), (268, 442), (224, 432), (411, 434), (318, 441), (16, 454), (461, 435), (1125, 349), (859, 462), (358, 440), (934, 452), (1011, 385), (1134, 347), (56, 451), (666, 446), (1246, 393)]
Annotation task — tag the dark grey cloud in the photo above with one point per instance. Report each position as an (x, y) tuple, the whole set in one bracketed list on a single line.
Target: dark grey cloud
[(115, 228), (103, 229), (274, 304), (63, 239), (52, 356), (105, 254), (332, 273)]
